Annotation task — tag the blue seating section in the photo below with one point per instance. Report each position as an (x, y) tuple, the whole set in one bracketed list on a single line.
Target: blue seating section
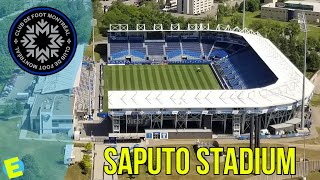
[(192, 49), (194, 54), (118, 49), (173, 49), (173, 54), (222, 45), (228, 73), (207, 48), (218, 53), (137, 49), (137, 54), (155, 48), (245, 70), (252, 70), (119, 54)]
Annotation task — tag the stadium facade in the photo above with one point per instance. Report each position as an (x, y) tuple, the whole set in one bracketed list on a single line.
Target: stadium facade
[(258, 82)]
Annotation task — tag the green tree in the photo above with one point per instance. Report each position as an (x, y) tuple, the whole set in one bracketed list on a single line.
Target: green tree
[(6, 111), (312, 43), (292, 29), (18, 107), (224, 10), (317, 46), (236, 6), (31, 168), (236, 20), (251, 5)]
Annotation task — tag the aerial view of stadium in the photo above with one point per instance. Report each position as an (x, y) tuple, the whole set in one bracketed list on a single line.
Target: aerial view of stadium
[(198, 78)]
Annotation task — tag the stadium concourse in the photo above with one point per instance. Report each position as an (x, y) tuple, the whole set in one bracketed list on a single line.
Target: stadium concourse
[(256, 82)]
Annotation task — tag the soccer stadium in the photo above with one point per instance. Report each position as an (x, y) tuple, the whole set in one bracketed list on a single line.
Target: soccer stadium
[(195, 82)]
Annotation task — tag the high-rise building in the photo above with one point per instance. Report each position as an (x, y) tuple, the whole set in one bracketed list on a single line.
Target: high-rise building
[(194, 6)]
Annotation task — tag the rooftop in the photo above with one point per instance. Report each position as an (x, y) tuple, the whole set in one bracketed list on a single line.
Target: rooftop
[(316, 5), (58, 104), (63, 80)]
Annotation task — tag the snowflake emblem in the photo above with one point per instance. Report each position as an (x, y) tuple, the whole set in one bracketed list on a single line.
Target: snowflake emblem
[(42, 41)]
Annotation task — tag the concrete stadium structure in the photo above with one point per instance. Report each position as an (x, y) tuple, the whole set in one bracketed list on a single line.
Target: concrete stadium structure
[(230, 110)]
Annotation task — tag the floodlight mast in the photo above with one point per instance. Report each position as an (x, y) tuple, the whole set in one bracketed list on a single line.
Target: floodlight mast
[(304, 28), (244, 14)]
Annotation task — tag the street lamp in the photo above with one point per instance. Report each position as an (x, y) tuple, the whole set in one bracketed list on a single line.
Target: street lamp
[(303, 26), (244, 14), (93, 24)]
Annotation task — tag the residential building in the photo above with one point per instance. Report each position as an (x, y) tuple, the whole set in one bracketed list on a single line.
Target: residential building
[(194, 6)]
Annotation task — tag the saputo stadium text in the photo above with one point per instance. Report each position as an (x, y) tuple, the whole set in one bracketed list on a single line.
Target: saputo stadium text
[(262, 160)]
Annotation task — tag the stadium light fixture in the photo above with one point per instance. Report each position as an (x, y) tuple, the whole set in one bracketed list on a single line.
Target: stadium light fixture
[(244, 14), (303, 26), (93, 23)]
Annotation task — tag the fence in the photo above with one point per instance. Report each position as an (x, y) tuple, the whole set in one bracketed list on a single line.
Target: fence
[(310, 166)]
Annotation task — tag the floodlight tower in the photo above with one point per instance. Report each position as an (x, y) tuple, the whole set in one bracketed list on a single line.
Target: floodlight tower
[(244, 14), (303, 26), (93, 24)]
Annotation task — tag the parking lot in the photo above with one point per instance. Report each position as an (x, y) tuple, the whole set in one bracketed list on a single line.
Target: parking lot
[(17, 84)]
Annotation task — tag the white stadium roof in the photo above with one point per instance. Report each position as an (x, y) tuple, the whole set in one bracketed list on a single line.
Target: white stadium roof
[(286, 91)]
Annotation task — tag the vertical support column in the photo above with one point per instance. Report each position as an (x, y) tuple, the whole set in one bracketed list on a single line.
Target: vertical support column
[(200, 122), (112, 122), (224, 125), (186, 121), (126, 123), (161, 121), (151, 121), (211, 121), (251, 132), (257, 133), (137, 123), (243, 122), (175, 126)]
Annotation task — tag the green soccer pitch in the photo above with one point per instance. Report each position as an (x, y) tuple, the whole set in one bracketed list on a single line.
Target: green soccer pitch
[(157, 77), (160, 77)]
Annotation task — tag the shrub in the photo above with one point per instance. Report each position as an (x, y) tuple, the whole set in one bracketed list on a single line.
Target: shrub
[(215, 144), (85, 164), (88, 147)]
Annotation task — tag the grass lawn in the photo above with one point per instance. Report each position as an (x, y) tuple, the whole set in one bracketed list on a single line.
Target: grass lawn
[(75, 173), (88, 53), (315, 100), (157, 77), (160, 77), (315, 155), (48, 155)]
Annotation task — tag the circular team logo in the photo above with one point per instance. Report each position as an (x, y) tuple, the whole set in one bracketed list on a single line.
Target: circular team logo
[(42, 41)]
